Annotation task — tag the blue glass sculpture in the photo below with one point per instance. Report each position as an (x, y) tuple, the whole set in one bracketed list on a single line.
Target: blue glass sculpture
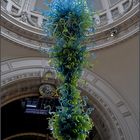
[(67, 22)]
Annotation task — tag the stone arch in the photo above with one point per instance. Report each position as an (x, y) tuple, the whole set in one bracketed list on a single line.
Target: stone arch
[(28, 134), (115, 120)]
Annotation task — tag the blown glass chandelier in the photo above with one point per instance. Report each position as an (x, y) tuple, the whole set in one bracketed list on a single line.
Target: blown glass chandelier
[(67, 22)]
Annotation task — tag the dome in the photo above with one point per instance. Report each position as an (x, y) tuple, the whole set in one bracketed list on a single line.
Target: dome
[(106, 10), (110, 18)]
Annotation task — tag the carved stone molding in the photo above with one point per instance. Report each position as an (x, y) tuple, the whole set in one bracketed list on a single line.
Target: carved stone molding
[(29, 134), (20, 89)]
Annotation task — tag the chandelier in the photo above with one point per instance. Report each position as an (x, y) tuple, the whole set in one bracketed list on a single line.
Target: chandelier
[(67, 22)]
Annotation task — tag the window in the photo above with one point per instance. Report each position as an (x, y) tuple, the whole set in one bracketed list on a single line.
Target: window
[(125, 5), (115, 13), (14, 10), (4, 3), (95, 5), (34, 18), (103, 19), (40, 5)]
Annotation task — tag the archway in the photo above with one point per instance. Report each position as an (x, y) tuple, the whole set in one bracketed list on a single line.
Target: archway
[(112, 116), (25, 136)]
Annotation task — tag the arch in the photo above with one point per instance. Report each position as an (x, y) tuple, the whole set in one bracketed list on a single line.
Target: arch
[(115, 121), (28, 134)]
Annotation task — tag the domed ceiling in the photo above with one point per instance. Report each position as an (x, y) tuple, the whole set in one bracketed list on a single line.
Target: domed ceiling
[(112, 20), (93, 4)]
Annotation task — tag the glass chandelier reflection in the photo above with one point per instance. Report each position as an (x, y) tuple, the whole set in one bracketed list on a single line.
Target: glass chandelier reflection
[(67, 22)]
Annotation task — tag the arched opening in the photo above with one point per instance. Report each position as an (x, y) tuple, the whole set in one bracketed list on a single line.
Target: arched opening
[(25, 115), (29, 136), (112, 117)]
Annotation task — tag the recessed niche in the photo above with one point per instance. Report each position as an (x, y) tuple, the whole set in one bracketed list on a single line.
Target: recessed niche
[(14, 9)]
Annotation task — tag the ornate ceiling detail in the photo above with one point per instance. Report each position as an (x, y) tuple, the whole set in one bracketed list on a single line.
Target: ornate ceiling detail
[(21, 27), (47, 90)]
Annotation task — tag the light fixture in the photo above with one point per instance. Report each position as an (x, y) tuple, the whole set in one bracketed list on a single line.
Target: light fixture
[(68, 24), (114, 32)]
